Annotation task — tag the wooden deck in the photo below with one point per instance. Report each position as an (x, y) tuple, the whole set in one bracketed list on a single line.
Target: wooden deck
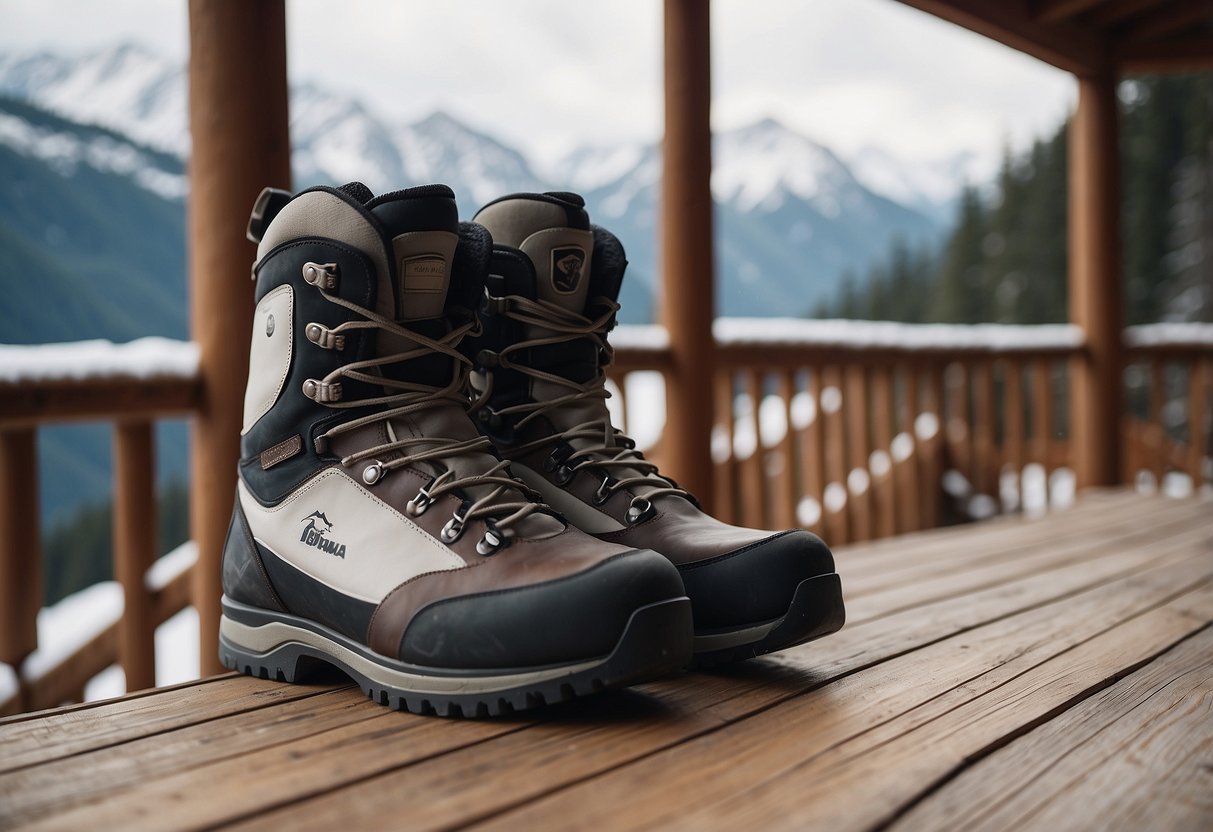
[(1044, 674)]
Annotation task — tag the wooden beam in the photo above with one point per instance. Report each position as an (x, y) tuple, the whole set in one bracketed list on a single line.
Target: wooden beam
[(1052, 11), (1117, 10), (1168, 19), (1078, 49), (1190, 54), (688, 273), (1095, 281), (32, 403), (241, 143)]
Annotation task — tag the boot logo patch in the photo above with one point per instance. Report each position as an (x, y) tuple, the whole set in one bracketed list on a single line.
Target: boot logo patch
[(426, 273), (566, 269), (315, 534)]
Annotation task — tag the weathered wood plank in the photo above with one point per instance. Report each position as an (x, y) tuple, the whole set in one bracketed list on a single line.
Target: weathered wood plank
[(63, 733), (872, 689), (315, 763), (533, 762), (911, 754), (1134, 750), (1072, 648), (964, 582), (955, 553), (58, 784)]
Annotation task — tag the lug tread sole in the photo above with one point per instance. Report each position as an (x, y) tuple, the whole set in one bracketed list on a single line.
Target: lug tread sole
[(644, 651)]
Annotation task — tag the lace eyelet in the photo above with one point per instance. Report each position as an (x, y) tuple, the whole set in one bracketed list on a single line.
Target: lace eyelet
[(491, 543), (606, 490), (564, 475), (640, 509), (374, 472), (556, 459), (323, 275), (418, 505), (453, 529)]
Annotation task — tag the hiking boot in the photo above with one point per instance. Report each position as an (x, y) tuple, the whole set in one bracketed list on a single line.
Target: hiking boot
[(538, 388), (375, 530)]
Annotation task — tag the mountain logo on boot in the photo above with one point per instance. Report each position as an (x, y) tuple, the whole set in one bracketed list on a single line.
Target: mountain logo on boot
[(314, 535), (566, 269)]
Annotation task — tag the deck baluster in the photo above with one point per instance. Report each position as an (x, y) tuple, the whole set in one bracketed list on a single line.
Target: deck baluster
[(135, 549), (20, 548)]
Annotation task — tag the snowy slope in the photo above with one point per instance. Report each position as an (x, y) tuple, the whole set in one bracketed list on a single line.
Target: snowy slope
[(792, 216), (126, 88)]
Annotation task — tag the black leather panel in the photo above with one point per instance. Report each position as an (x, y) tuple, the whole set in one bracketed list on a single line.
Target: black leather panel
[(294, 413), (756, 583), (244, 577), (306, 597), (578, 617)]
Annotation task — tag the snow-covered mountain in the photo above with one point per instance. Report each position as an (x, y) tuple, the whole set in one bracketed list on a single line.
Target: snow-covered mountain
[(793, 215)]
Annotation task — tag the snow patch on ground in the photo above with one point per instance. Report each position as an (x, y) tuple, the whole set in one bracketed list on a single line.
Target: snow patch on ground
[(170, 566), (645, 392), (151, 357), (808, 512), (177, 648), (8, 682), (1176, 484), (107, 684), (65, 627)]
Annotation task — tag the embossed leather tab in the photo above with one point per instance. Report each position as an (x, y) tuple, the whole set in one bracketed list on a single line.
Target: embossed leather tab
[(281, 452)]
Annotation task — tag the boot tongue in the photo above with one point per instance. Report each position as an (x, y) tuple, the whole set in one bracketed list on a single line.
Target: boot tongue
[(422, 225), (553, 230)]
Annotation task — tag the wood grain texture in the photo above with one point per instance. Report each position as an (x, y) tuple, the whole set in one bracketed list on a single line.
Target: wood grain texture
[(1139, 749), (39, 738), (719, 769), (979, 662)]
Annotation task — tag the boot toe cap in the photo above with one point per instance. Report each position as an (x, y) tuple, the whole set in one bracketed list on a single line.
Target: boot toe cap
[(755, 583), (581, 616)]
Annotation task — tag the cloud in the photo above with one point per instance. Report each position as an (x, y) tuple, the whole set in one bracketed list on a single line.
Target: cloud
[(547, 74)]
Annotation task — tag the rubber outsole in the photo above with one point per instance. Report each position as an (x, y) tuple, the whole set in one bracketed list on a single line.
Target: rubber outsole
[(286, 648), (816, 610)]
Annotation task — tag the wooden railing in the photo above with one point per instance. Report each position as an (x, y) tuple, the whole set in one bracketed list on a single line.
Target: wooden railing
[(131, 386), (854, 430), (1168, 425)]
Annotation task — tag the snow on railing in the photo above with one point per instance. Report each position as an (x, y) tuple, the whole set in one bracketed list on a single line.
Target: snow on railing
[(1170, 335), (151, 357), (889, 335), (787, 332)]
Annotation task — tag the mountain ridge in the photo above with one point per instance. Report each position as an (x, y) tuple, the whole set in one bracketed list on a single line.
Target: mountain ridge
[(822, 217)]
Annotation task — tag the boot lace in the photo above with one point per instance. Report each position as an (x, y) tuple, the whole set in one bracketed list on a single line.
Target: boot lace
[(592, 444), (499, 499)]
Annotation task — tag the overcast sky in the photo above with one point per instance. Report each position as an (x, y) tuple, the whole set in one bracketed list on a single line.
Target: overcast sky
[(547, 74)]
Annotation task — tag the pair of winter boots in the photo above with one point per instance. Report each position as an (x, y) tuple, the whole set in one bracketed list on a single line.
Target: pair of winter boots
[(431, 495)]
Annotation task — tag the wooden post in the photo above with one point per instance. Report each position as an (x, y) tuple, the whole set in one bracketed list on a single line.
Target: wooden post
[(1095, 281), (241, 143), (688, 274), (135, 549), (20, 545)]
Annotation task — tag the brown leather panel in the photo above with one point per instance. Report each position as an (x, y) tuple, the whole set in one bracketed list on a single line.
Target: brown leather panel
[(524, 563), (684, 534), (681, 532)]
